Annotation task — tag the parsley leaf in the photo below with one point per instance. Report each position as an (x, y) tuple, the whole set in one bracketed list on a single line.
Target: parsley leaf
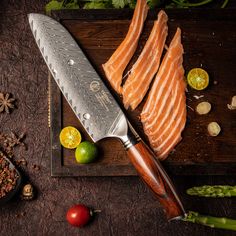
[(154, 3), (95, 5), (53, 5), (119, 3), (59, 5)]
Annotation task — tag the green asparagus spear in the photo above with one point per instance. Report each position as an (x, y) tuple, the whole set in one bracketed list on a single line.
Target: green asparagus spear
[(213, 222), (213, 191)]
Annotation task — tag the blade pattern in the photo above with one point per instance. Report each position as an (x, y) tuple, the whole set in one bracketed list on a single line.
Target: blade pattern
[(79, 82)]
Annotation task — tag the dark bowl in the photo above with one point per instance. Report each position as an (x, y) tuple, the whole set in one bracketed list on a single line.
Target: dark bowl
[(11, 194)]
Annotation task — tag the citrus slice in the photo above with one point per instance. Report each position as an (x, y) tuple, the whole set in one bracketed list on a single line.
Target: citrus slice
[(198, 78), (70, 137)]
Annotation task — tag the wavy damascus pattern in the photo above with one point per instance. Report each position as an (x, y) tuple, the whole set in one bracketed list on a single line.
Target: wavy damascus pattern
[(79, 82)]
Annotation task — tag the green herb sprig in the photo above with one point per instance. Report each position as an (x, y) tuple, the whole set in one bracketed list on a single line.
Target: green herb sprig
[(105, 4)]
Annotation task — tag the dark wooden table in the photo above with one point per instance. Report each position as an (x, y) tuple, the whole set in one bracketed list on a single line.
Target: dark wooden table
[(127, 206)]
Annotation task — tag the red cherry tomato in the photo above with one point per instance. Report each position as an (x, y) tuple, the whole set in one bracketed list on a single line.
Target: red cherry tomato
[(78, 215)]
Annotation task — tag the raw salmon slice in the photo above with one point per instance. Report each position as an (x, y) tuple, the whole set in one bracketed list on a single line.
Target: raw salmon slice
[(164, 113), (146, 66), (117, 63)]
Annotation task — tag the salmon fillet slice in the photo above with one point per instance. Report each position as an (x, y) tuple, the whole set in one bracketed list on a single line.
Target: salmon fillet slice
[(146, 66), (164, 113), (117, 63)]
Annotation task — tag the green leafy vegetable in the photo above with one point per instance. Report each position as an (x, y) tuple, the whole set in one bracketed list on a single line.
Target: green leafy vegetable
[(154, 3), (72, 5), (53, 5), (132, 3), (60, 5), (119, 3), (225, 3), (103, 4), (95, 5), (188, 4)]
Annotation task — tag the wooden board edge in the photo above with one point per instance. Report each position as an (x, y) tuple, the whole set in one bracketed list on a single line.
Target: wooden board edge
[(119, 14), (55, 126), (57, 168)]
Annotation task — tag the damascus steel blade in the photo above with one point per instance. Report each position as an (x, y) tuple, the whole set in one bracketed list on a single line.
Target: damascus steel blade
[(82, 87)]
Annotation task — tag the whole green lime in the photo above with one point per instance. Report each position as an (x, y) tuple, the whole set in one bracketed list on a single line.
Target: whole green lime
[(86, 152)]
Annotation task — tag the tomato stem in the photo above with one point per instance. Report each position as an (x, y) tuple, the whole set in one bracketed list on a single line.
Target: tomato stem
[(97, 211)]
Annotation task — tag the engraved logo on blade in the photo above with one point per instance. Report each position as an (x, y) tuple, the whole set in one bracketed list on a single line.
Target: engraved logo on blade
[(103, 99), (95, 86), (101, 96)]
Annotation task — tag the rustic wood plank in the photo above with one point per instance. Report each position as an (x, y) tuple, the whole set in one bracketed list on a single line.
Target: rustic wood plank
[(100, 32)]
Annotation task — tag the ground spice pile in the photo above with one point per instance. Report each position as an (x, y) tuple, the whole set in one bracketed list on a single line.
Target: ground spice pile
[(8, 176)]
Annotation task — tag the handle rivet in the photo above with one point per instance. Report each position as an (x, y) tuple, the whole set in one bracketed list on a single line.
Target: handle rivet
[(86, 116), (71, 62)]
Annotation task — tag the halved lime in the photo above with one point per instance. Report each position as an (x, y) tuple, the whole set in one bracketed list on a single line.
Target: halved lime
[(86, 152)]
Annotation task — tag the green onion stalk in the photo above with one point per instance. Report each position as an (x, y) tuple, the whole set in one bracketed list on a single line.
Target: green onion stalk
[(210, 221), (213, 191)]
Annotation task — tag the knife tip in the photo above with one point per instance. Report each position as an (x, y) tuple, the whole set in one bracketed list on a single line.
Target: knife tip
[(29, 16)]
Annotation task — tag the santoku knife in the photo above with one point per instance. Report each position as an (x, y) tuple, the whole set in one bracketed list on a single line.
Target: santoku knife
[(96, 108)]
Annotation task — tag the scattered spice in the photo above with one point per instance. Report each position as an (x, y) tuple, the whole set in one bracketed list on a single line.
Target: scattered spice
[(9, 141), (27, 192), (6, 102), (22, 162), (8, 176), (36, 167), (232, 106)]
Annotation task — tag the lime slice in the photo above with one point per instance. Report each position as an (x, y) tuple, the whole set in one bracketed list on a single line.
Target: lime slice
[(70, 137), (86, 152), (198, 78)]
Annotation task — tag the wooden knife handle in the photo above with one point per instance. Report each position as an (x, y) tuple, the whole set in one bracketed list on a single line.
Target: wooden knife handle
[(153, 174)]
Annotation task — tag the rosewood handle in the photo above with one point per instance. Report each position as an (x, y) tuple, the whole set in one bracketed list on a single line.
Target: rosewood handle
[(153, 174)]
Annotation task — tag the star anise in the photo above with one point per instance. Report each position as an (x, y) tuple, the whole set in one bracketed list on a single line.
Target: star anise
[(6, 103)]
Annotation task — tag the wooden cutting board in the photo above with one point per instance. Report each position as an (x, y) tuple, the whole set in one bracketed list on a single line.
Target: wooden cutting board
[(209, 40)]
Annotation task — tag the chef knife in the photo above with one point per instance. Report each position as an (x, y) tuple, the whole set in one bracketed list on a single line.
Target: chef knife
[(96, 108)]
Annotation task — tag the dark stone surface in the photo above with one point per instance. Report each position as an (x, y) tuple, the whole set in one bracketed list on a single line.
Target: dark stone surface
[(127, 207)]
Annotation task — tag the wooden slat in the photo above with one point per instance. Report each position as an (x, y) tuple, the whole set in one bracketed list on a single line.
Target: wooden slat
[(209, 42)]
